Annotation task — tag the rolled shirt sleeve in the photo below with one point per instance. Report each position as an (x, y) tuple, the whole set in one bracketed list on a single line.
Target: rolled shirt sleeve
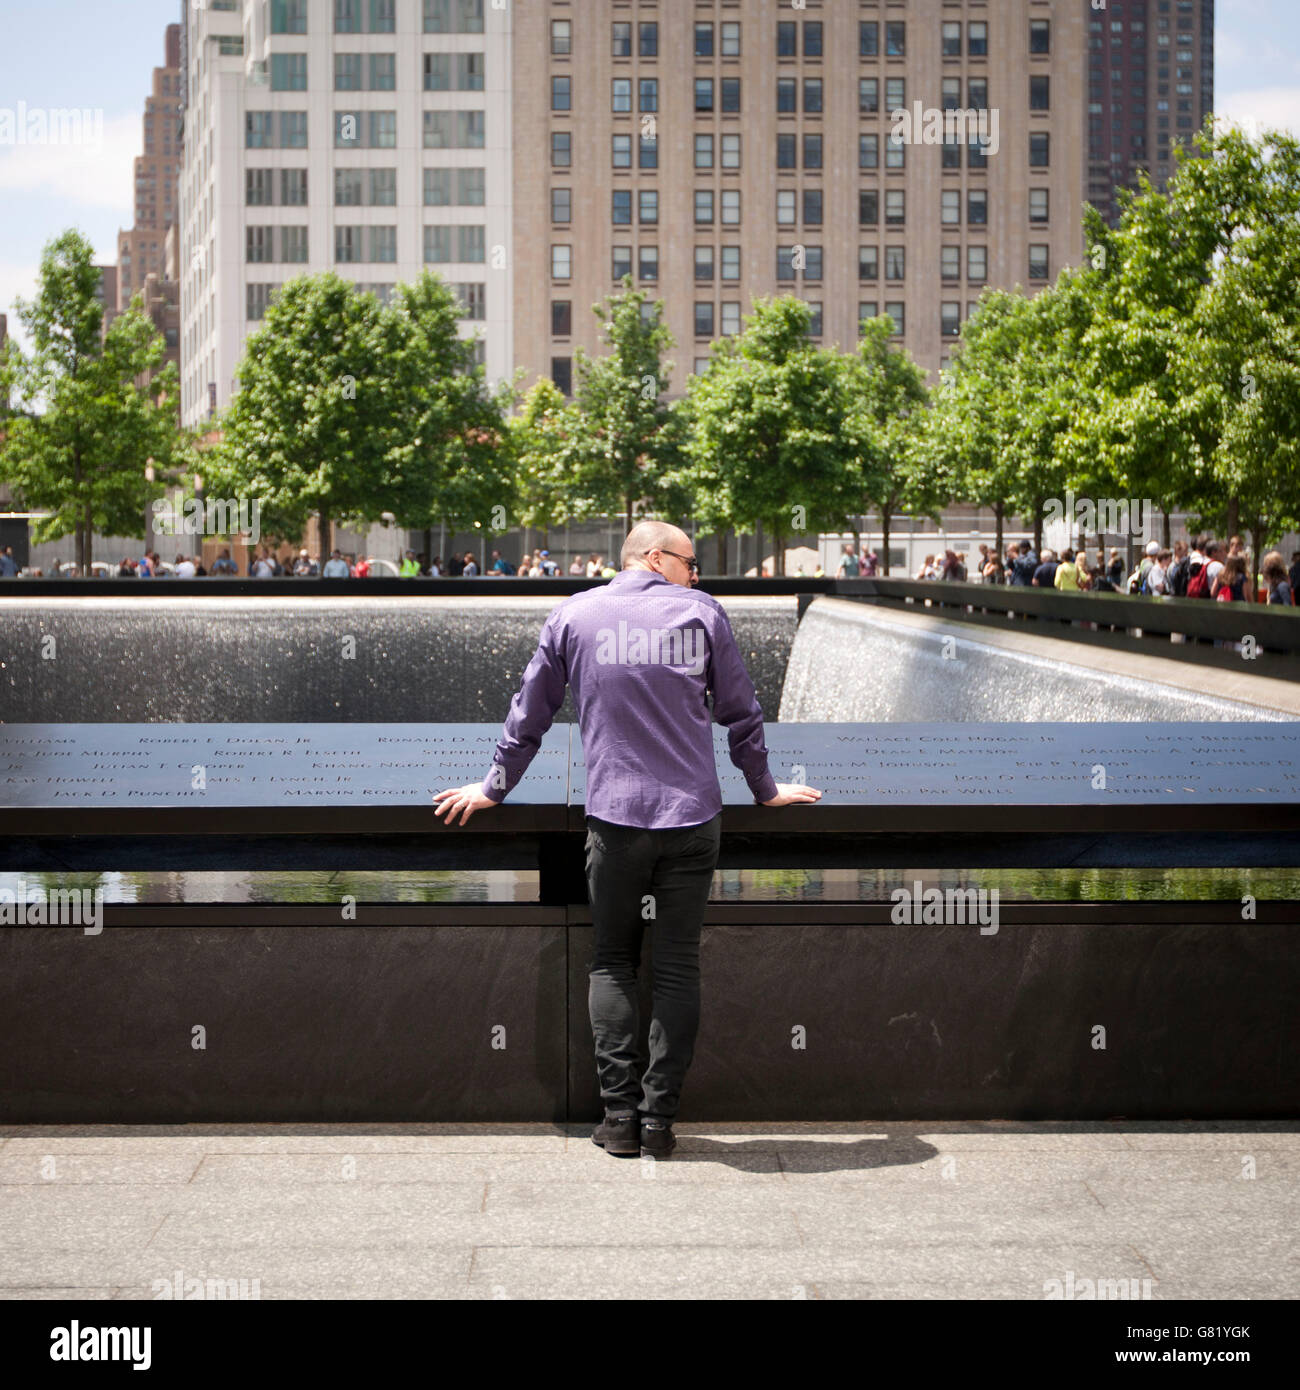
[(735, 705), (540, 695)]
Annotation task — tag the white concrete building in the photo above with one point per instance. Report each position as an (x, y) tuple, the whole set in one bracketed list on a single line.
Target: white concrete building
[(368, 137)]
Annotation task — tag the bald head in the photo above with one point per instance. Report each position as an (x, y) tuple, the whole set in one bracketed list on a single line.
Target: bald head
[(646, 536)]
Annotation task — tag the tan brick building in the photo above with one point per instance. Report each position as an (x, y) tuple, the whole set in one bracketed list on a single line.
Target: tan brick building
[(723, 150)]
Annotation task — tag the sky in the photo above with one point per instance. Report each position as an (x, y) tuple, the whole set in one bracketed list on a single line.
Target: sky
[(100, 54)]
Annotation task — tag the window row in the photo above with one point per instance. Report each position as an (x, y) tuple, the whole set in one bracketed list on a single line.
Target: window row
[(359, 130), (456, 243), (364, 187), (380, 16), (471, 298)]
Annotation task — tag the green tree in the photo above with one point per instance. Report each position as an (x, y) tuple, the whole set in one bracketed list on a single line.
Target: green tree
[(887, 396), (768, 443), (82, 426), (624, 446)]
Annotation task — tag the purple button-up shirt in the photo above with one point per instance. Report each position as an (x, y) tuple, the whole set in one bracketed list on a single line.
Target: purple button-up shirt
[(640, 653)]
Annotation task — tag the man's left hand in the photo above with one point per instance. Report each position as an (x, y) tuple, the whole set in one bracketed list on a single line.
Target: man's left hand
[(463, 801)]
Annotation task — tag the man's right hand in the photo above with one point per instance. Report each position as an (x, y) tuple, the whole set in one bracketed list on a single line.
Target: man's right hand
[(793, 793)]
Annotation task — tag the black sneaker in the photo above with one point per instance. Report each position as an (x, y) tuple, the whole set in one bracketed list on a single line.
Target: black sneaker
[(657, 1139), (618, 1133)]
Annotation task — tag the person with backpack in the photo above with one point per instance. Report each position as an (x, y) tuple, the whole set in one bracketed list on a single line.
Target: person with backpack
[(1155, 585), (1198, 578), (1232, 581), (1276, 579), (1176, 575)]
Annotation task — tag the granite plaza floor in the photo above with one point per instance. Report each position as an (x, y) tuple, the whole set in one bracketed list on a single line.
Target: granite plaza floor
[(1008, 1210)]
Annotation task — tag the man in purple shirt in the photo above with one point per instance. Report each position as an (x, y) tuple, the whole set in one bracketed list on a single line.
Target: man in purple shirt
[(641, 653)]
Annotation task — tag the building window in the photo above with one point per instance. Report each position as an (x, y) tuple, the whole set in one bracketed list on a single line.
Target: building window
[(812, 151), (977, 39), (648, 206), (561, 93), (621, 261), (950, 318), (259, 245), (561, 36), (1040, 93), (730, 95), (288, 72), (951, 33), (701, 366), (288, 17), (259, 130), (562, 148), (729, 35), (621, 40), (704, 94), (730, 263), (812, 38), (895, 207), (648, 152), (978, 94), (950, 207), (561, 318), (731, 207), (730, 319), (895, 309), (869, 38), (561, 204), (473, 300), (620, 95), (648, 37), (259, 185), (787, 156), (895, 94), (703, 319), (621, 151), (648, 92), (785, 207), (787, 39), (895, 263), (347, 72), (1038, 204), (868, 262), (1040, 143), (621, 207), (704, 263), (787, 95), (976, 154), (648, 263), (895, 152), (257, 298), (868, 207), (977, 207), (562, 374), (977, 263), (951, 94), (383, 72), (704, 151), (731, 151), (1038, 262), (895, 39), (703, 206), (868, 151), (704, 40), (868, 95), (561, 262), (812, 94), (951, 152), (812, 207), (867, 309), (1040, 35), (950, 262), (814, 318)]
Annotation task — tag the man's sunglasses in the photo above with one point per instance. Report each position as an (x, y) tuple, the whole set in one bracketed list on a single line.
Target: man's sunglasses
[(689, 561)]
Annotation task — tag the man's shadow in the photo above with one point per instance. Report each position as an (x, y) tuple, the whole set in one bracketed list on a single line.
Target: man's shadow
[(877, 1149)]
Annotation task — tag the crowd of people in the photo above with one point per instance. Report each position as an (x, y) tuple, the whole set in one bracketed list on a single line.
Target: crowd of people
[(1200, 568)]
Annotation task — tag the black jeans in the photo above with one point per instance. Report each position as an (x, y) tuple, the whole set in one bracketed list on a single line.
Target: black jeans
[(636, 876)]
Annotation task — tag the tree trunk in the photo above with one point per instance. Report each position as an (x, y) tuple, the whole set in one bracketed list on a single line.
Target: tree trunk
[(999, 512), (778, 551), (1234, 515), (758, 550), (89, 531), (1166, 531), (886, 516), (630, 521), (722, 552), (323, 527), (1038, 526)]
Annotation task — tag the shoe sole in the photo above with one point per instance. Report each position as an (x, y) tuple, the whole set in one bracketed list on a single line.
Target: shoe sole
[(626, 1149)]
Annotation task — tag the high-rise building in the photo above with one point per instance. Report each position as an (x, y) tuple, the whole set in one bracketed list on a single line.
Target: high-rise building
[(368, 137), (1150, 87), (753, 149), (140, 249)]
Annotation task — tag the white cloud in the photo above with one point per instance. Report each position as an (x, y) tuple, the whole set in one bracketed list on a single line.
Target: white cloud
[(17, 280), (1265, 108), (81, 176)]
